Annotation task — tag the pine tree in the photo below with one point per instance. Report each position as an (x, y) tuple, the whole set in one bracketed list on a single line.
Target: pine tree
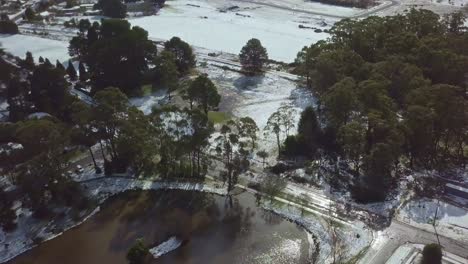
[(29, 61), (59, 66), (253, 56), (41, 60), (48, 63), (82, 72), (71, 71)]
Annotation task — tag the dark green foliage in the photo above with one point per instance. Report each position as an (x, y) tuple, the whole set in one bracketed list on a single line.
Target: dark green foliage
[(432, 254), (165, 72), (49, 91), (309, 131), (59, 66), (71, 71), (7, 215), (28, 62), (118, 57), (8, 27), (184, 57), (253, 56), (17, 98), (29, 14), (203, 93), (138, 253), (387, 88), (112, 8)]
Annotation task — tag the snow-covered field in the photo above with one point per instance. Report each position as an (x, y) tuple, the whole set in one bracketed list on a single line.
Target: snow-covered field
[(451, 221), (200, 23), (451, 2), (18, 45)]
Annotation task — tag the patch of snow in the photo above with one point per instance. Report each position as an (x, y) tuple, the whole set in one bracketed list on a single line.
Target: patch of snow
[(18, 45), (38, 115), (201, 24), (452, 221), (165, 247), (146, 103)]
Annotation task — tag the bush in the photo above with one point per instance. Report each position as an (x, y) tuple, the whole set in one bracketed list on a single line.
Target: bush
[(432, 254), (8, 27), (138, 253)]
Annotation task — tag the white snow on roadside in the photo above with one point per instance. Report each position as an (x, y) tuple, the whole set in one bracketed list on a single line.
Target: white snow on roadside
[(452, 221), (18, 45), (108, 186), (201, 24), (165, 247)]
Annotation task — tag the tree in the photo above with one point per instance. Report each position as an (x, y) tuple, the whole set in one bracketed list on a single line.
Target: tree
[(309, 130), (17, 95), (280, 122), (119, 57), (59, 66), (41, 60), (248, 128), (273, 185), (71, 71), (82, 72), (138, 253), (7, 215), (8, 27), (84, 133), (432, 254), (263, 155), (49, 91), (352, 138), (165, 72), (234, 155), (112, 8), (204, 93), (28, 62), (184, 57), (29, 14), (253, 56)]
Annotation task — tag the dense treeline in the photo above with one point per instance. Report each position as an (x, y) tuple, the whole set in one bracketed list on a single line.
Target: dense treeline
[(391, 91)]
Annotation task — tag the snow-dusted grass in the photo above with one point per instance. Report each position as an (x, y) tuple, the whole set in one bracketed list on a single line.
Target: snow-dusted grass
[(205, 26), (458, 3), (257, 97), (452, 221), (18, 45)]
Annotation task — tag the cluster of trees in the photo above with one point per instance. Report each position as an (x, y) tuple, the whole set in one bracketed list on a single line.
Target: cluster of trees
[(7, 26), (39, 88), (115, 54), (390, 90), (112, 8)]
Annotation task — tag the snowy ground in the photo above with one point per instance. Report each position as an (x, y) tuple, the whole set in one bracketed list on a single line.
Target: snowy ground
[(451, 221), (200, 23), (165, 247), (18, 45), (411, 254), (257, 97)]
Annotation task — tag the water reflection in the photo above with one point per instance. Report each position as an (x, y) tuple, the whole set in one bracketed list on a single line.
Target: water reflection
[(214, 230)]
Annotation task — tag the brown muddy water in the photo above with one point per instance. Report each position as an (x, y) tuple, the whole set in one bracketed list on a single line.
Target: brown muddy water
[(214, 230)]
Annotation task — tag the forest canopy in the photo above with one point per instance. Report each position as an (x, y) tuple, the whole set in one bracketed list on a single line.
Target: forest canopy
[(390, 90)]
